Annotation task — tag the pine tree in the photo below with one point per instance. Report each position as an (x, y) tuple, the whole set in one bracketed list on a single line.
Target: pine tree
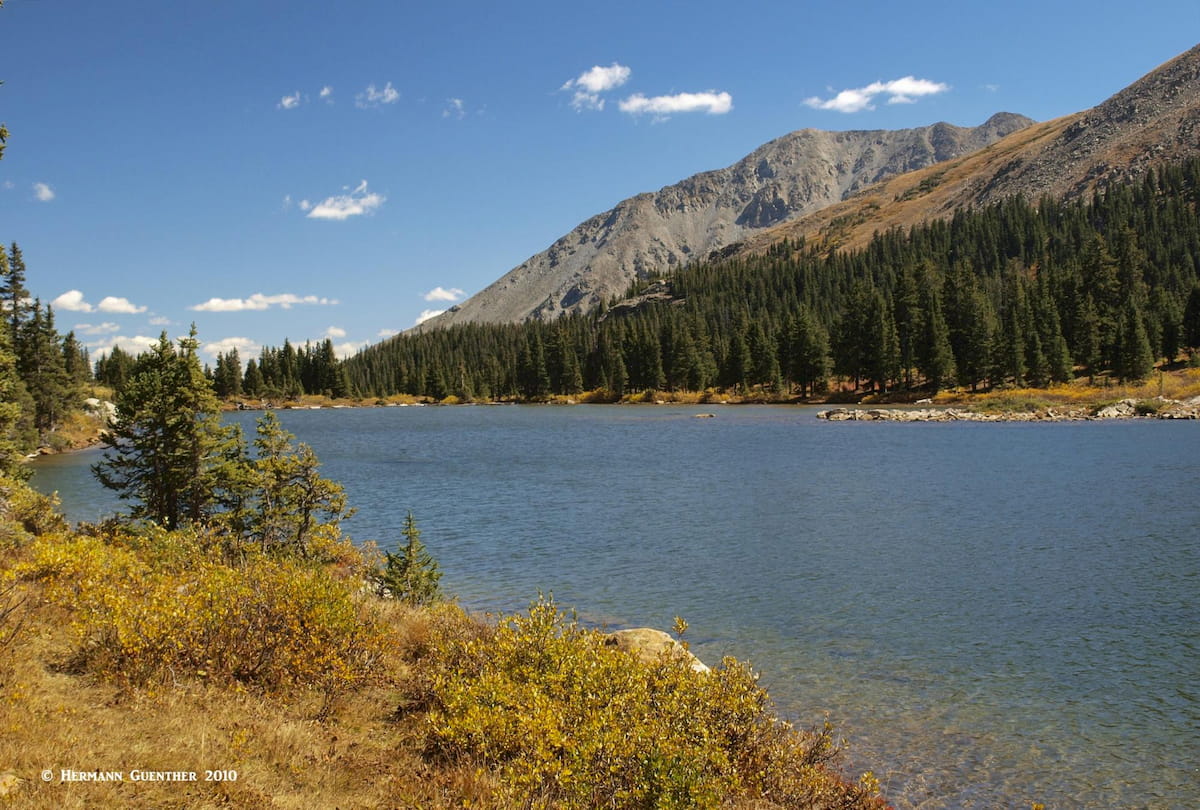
[(252, 381), (933, 355), (1134, 358), (16, 434), (41, 365), (1191, 320), (809, 354), (411, 574), (287, 504), (14, 297), (167, 450)]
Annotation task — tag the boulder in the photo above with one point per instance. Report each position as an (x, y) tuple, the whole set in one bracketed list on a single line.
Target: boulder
[(648, 646)]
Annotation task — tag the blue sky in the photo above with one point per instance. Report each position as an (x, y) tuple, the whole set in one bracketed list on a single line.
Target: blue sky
[(285, 168)]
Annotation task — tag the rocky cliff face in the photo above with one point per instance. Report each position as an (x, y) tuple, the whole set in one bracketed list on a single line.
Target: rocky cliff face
[(786, 178)]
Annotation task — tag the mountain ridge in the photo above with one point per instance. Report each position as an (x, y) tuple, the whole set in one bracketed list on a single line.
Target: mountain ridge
[(794, 174), (836, 189), (1153, 121)]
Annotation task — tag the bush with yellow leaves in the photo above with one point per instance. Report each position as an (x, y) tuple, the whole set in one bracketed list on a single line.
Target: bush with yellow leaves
[(568, 722), (161, 606)]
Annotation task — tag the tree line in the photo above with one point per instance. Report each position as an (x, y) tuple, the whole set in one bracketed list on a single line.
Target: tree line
[(1015, 294), (42, 373)]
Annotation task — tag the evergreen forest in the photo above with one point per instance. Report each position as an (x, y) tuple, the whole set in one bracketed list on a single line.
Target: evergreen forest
[(1015, 294)]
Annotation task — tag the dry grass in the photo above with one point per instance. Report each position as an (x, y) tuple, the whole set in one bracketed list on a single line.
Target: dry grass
[(289, 750), (1183, 384)]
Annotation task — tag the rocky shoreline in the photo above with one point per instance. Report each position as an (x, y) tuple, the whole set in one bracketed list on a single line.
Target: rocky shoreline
[(1124, 409)]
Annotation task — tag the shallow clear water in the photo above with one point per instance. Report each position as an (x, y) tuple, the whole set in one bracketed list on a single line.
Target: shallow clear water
[(993, 614)]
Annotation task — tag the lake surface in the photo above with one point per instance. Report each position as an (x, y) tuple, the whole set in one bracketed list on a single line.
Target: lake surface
[(992, 614)]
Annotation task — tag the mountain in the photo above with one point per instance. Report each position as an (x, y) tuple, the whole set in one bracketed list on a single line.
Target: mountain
[(1154, 121), (839, 188), (791, 176)]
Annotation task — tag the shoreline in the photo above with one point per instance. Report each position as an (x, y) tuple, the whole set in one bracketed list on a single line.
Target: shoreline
[(1124, 409)]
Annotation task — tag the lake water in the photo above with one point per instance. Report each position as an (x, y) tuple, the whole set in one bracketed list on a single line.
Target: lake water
[(992, 614)]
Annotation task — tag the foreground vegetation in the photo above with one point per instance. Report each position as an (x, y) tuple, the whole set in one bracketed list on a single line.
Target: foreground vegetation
[(128, 646)]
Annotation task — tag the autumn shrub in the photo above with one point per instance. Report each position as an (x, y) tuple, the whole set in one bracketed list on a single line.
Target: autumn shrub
[(269, 623), (566, 721), (25, 513)]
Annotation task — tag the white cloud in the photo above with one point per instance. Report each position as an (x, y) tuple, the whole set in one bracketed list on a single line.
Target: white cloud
[(9, 184), (335, 332), (245, 347), (372, 97), (72, 301), (710, 102), (43, 192), (387, 333), (97, 329), (349, 348), (289, 102), (258, 302), (442, 294), (326, 94), (112, 303), (426, 314), (454, 109), (133, 345), (343, 206), (591, 83), (905, 90), (159, 320)]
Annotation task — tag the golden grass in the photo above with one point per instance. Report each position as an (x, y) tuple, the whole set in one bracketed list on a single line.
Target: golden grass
[(289, 751), (1183, 384)]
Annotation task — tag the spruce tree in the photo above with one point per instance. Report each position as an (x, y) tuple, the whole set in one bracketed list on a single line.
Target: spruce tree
[(16, 434), (287, 504), (167, 450), (1134, 358), (933, 355), (1191, 320), (14, 296), (411, 574)]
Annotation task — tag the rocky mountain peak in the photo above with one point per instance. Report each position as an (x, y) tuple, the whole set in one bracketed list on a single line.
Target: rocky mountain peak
[(786, 178)]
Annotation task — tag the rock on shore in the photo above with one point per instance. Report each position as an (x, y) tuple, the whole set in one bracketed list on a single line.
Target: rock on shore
[(648, 644), (1125, 409)]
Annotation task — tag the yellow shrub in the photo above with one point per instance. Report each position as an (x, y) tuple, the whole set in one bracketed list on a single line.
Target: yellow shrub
[(567, 721), (25, 513), (270, 623)]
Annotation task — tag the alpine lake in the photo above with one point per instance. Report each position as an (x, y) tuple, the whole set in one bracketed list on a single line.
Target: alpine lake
[(990, 614)]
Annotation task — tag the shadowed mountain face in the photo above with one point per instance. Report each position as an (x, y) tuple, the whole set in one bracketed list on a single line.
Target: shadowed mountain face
[(799, 173)]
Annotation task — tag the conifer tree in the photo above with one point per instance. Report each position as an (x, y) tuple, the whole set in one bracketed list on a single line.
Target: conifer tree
[(167, 450), (1134, 358), (411, 574), (287, 504), (16, 434), (809, 354), (1191, 320), (14, 296), (934, 357), (41, 365)]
